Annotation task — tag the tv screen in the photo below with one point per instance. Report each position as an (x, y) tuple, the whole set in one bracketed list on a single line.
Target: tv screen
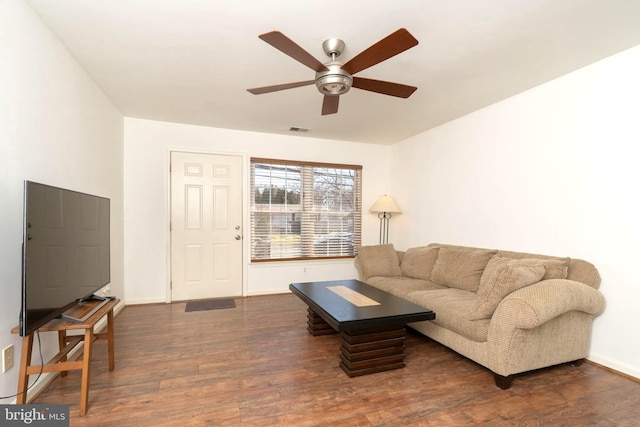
[(65, 251)]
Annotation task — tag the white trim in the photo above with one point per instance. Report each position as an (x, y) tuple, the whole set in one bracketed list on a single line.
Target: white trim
[(140, 301), (615, 365), (278, 291)]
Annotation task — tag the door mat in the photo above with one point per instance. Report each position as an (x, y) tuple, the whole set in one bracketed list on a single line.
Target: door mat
[(210, 304)]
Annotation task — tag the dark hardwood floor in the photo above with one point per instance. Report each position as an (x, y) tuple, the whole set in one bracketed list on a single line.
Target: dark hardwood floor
[(256, 365)]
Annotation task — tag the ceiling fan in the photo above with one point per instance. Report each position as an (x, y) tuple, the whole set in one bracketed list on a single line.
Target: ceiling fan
[(334, 78)]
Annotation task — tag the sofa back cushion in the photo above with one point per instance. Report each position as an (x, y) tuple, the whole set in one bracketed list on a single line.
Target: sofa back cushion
[(379, 260), (501, 277), (418, 262), (460, 267)]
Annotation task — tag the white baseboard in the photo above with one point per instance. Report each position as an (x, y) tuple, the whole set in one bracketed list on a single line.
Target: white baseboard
[(632, 371), (141, 301), (269, 292)]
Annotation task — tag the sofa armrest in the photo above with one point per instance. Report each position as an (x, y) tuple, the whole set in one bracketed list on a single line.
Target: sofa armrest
[(534, 305), (541, 325), (358, 264)]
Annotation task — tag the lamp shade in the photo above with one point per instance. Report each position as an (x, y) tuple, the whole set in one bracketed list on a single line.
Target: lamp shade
[(385, 204)]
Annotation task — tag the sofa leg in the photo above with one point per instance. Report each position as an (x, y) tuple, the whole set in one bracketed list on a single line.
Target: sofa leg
[(503, 382), (577, 362)]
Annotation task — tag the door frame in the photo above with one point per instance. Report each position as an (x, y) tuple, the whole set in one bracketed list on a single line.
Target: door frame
[(245, 216)]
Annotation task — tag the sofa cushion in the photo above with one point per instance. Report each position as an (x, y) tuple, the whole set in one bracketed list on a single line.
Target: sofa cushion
[(401, 286), (379, 260), (460, 268), (501, 277), (452, 307), (418, 262)]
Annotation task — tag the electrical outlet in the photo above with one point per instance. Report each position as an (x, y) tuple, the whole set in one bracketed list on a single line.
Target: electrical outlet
[(7, 358)]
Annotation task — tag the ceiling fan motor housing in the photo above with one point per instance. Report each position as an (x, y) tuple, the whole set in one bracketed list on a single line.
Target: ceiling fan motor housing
[(334, 82)]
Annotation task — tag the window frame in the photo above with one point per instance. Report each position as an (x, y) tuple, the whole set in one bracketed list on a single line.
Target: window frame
[(306, 211)]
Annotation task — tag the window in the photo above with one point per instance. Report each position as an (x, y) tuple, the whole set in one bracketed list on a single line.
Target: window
[(303, 210)]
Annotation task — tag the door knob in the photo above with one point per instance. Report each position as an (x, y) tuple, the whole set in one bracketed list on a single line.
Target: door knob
[(238, 237)]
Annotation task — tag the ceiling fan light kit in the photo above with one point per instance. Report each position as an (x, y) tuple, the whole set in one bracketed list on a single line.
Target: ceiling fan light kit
[(334, 82), (333, 78)]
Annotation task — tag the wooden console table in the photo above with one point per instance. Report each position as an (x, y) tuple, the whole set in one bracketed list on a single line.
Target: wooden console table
[(61, 362)]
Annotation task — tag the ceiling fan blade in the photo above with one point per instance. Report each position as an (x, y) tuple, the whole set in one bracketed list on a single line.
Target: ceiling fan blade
[(275, 88), (289, 47), (330, 104), (386, 48), (385, 88)]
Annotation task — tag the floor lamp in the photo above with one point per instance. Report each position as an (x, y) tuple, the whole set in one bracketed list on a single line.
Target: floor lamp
[(384, 207)]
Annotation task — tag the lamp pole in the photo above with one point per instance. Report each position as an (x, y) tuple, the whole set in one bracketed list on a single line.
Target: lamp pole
[(384, 207), (384, 227)]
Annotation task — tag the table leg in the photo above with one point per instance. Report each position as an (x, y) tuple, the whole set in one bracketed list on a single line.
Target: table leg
[(374, 350), (25, 360), (86, 370), (110, 340), (62, 343), (316, 325)]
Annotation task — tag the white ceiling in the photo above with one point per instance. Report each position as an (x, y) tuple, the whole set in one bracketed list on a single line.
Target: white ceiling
[(191, 61)]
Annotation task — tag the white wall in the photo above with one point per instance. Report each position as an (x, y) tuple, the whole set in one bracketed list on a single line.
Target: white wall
[(553, 170), (58, 128), (147, 147)]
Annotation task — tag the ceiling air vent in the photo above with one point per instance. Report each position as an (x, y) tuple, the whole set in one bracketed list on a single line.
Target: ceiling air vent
[(298, 129)]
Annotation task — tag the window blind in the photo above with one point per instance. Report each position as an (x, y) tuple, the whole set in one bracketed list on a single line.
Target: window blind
[(304, 210)]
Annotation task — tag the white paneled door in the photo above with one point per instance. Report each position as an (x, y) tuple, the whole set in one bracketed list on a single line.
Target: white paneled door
[(206, 226)]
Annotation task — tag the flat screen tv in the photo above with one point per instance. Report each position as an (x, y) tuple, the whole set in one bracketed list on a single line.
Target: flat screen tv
[(65, 252)]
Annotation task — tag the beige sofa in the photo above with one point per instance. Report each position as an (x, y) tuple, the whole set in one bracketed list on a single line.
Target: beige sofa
[(511, 312)]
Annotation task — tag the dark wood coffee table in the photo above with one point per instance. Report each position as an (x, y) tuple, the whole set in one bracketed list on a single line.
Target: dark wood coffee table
[(370, 321)]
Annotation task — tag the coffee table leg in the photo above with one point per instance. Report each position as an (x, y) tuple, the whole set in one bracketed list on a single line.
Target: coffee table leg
[(370, 351), (316, 325)]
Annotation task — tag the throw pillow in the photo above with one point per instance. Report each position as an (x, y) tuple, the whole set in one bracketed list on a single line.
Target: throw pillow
[(379, 260), (418, 262), (501, 277), (460, 268), (556, 268)]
